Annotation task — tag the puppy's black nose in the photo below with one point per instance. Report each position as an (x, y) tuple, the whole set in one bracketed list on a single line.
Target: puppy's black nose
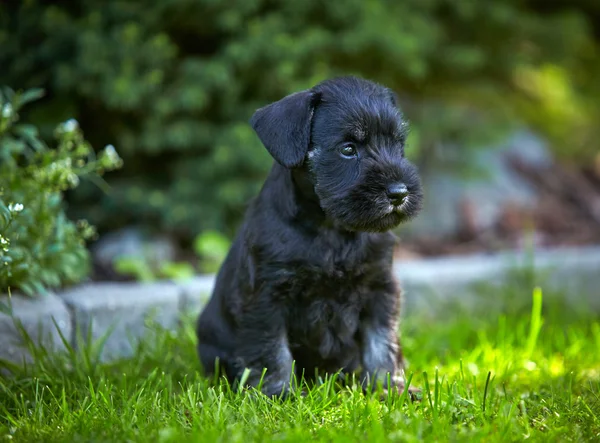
[(397, 193)]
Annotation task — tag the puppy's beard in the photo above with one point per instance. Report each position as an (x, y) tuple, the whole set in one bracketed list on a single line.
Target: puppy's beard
[(374, 214), (383, 222), (403, 207)]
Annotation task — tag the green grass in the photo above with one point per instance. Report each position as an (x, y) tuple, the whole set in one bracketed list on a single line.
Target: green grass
[(525, 373)]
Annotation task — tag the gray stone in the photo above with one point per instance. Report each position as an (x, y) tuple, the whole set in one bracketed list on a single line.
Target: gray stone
[(529, 148), (41, 318), (486, 196), (126, 307), (132, 243), (122, 310), (467, 280), (574, 272), (440, 216), (195, 293)]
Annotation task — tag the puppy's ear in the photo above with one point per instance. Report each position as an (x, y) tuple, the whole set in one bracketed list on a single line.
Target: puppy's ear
[(284, 127)]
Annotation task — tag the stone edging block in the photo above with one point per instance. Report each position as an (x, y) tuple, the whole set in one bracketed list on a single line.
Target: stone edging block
[(41, 318), (195, 293), (125, 307), (574, 271), (123, 310)]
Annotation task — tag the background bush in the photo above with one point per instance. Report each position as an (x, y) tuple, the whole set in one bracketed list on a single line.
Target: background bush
[(173, 83), (39, 247)]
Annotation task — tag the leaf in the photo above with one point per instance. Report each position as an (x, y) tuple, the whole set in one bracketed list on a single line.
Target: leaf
[(38, 288), (135, 267), (6, 95), (26, 130), (30, 134), (5, 216), (5, 308), (46, 249), (212, 244), (27, 289), (177, 271), (31, 95)]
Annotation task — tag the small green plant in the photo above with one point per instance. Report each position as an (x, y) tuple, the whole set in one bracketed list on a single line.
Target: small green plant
[(40, 248), (136, 267), (211, 247), (177, 270), (142, 270)]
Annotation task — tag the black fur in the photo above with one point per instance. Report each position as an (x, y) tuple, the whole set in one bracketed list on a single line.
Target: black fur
[(308, 278)]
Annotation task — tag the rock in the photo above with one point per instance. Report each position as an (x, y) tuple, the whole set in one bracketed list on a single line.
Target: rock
[(195, 293), (43, 318), (451, 202), (130, 243), (122, 309), (469, 281)]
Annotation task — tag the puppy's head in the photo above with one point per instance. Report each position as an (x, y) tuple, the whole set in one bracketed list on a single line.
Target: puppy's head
[(350, 134)]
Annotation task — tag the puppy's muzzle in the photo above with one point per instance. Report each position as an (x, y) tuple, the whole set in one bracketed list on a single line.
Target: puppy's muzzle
[(397, 193)]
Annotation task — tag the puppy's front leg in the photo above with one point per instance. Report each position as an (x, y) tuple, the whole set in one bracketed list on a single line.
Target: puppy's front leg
[(262, 344), (381, 354)]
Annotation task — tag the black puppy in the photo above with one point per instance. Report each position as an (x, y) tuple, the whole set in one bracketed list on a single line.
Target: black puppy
[(308, 278)]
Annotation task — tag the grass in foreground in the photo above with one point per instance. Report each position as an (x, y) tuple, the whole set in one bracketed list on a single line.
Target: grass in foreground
[(521, 374)]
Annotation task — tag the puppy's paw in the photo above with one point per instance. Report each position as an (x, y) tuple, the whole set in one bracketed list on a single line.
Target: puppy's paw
[(414, 394), (276, 389)]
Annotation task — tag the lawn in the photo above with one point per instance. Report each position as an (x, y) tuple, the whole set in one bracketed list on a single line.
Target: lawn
[(524, 372)]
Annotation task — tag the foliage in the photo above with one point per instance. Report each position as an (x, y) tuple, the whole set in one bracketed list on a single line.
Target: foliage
[(41, 247), (142, 270), (211, 248), (502, 377), (136, 267), (174, 83)]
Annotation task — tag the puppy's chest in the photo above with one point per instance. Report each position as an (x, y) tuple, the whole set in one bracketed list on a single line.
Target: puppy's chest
[(326, 326), (325, 292), (324, 311)]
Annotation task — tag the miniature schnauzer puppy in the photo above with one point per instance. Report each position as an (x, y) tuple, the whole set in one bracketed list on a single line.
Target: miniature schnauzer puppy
[(308, 285)]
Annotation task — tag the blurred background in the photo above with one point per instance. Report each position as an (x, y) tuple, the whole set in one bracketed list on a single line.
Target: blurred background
[(503, 97)]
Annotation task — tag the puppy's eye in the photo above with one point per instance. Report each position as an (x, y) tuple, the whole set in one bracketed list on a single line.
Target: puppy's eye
[(348, 150)]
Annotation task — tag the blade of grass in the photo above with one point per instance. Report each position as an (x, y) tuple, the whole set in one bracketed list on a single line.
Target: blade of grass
[(535, 322)]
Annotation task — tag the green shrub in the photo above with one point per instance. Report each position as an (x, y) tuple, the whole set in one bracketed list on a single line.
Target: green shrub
[(41, 247), (175, 82), (211, 248), (141, 269)]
